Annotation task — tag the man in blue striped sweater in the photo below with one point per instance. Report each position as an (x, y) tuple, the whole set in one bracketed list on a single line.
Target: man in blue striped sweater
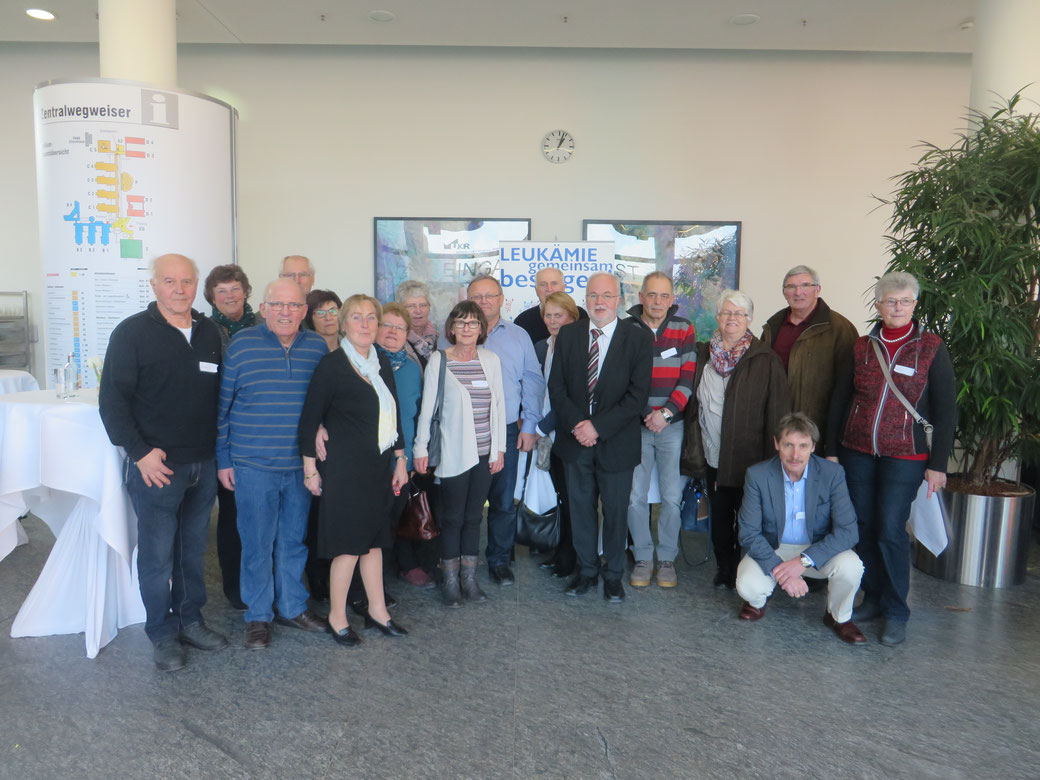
[(266, 373)]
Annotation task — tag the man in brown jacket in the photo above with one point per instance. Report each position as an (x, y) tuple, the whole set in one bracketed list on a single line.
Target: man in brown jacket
[(814, 343)]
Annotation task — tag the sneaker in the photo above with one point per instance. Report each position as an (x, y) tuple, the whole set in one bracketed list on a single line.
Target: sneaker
[(666, 574), (641, 574)]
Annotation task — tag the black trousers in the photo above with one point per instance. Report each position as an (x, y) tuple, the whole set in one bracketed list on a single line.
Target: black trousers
[(565, 556), (229, 544), (587, 485), (460, 507), (725, 508)]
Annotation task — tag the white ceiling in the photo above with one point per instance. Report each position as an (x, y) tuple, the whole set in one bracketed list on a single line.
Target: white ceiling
[(835, 25)]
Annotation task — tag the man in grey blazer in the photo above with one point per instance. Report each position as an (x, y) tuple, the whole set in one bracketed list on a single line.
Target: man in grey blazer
[(797, 521)]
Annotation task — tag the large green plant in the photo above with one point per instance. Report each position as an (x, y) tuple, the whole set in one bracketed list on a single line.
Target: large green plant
[(966, 223)]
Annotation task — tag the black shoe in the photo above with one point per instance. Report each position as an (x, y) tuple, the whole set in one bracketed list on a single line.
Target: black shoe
[(347, 637), (169, 655), (868, 610), (389, 601), (548, 563), (390, 629), (563, 571), (725, 578), (613, 591), (204, 638), (502, 574), (580, 585), (894, 633), (236, 602)]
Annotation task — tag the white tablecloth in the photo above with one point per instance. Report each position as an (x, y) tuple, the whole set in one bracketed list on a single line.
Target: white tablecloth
[(56, 461), (12, 381)]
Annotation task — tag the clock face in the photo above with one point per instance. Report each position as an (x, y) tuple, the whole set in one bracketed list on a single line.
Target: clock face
[(558, 146)]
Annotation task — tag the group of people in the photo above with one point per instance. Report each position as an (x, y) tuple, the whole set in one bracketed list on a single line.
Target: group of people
[(308, 421)]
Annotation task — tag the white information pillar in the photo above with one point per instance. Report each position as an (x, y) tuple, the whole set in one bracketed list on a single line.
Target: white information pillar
[(1007, 54), (138, 40)]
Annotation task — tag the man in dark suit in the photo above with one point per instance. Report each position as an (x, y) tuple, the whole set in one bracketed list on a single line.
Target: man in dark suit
[(598, 388), (797, 521)]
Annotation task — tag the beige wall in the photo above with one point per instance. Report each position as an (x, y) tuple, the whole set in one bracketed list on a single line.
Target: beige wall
[(792, 144)]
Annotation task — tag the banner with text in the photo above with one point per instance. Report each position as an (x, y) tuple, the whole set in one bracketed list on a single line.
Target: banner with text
[(520, 261)]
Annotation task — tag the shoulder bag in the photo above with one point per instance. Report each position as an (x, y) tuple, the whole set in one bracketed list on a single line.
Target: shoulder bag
[(433, 448)]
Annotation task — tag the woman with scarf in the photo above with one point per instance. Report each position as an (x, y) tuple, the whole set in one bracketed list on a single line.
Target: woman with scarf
[(352, 393), (740, 394), (227, 290), (422, 334)]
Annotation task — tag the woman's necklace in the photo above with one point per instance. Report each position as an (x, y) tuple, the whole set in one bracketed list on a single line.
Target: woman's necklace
[(897, 339)]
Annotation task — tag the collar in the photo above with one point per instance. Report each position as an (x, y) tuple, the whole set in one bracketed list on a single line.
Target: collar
[(271, 336), (154, 313), (608, 330), (809, 320)]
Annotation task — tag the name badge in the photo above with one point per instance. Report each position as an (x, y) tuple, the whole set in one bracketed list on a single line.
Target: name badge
[(480, 383), (670, 353), (904, 370), (800, 516), (208, 368)]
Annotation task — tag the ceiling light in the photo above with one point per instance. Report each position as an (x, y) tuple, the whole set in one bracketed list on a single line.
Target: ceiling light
[(742, 20), (39, 13), (380, 16)]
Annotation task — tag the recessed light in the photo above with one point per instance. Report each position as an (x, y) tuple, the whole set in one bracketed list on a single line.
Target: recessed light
[(380, 16), (742, 20), (42, 15)]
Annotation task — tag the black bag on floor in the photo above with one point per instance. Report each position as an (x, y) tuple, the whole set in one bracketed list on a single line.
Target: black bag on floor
[(540, 531)]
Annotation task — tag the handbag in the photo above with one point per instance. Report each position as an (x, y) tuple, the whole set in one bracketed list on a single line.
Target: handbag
[(417, 523), (433, 448), (534, 528), (693, 518), (928, 427)]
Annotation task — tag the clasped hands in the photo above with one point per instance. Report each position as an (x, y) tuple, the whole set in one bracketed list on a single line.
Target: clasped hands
[(586, 434), (788, 575)]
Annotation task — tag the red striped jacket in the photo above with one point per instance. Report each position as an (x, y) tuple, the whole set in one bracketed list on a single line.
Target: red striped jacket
[(675, 362)]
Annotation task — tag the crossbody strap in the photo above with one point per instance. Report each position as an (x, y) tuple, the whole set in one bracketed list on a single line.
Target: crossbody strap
[(902, 398), (439, 403)]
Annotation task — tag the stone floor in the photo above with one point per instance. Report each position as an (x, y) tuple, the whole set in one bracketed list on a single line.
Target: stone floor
[(536, 684)]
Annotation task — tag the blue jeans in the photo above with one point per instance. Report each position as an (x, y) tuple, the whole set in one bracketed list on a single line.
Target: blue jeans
[(272, 521), (882, 490), (501, 506), (172, 530), (663, 449)]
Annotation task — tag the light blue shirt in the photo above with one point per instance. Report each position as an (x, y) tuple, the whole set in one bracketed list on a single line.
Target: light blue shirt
[(521, 375), (795, 531)]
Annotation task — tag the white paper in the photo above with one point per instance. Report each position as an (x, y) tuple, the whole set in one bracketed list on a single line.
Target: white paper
[(926, 521)]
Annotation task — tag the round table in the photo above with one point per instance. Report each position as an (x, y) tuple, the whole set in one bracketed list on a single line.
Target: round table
[(12, 381)]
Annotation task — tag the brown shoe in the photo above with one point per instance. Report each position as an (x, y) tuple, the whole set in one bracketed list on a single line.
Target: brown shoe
[(847, 631), (748, 612), (258, 635), (306, 620)]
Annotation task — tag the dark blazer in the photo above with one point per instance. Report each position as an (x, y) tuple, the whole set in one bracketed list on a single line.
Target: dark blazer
[(618, 400), (829, 516)]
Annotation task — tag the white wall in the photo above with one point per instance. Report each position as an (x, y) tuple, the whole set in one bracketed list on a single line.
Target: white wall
[(792, 144)]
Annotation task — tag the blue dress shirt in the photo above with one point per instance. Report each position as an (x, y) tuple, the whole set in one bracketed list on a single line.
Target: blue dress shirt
[(795, 531), (521, 375)]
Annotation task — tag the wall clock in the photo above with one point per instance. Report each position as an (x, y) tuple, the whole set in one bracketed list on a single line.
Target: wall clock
[(558, 146)]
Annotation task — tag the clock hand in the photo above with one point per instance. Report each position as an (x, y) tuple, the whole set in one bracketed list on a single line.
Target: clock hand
[(561, 141)]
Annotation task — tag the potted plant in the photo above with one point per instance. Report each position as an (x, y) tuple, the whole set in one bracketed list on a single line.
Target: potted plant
[(966, 223)]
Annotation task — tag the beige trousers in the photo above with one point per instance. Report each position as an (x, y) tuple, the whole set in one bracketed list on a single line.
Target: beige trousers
[(843, 573)]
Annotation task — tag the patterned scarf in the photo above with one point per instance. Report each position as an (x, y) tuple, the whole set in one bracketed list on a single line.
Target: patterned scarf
[(725, 360), (424, 343), (397, 359), (247, 320), (369, 369)]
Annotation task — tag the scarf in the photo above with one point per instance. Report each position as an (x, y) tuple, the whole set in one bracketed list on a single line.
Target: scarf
[(397, 359), (369, 369), (725, 360), (424, 343), (247, 320)]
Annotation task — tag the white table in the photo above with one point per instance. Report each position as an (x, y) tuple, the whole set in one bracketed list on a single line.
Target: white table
[(12, 381), (57, 462)]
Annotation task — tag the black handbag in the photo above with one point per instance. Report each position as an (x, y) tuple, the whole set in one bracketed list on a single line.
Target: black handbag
[(540, 531), (433, 447)]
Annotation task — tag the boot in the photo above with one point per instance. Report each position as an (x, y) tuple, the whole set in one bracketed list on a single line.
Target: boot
[(470, 589), (450, 586)]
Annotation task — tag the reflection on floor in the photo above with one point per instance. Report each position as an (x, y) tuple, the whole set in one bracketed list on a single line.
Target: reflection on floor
[(536, 684)]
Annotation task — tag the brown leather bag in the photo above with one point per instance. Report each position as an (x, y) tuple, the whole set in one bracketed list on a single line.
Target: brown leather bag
[(417, 522)]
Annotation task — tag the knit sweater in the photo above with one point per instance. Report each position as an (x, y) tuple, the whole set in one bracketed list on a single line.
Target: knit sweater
[(261, 395), (675, 362)]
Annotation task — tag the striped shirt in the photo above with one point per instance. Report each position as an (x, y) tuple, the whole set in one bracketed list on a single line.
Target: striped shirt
[(261, 395), (675, 362), (471, 376)]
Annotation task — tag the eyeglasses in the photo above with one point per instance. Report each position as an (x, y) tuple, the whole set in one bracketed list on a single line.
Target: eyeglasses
[(330, 312), (416, 306), (608, 297), (292, 306), (466, 324), (804, 287), (297, 275), (732, 315), (890, 303), (390, 326), (485, 297)]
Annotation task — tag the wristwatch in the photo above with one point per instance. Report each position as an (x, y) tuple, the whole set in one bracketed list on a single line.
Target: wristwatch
[(805, 560), (667, 415)]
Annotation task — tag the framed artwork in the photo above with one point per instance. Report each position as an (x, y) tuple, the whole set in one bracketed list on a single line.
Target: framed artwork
[(445, 253), (703, 259)]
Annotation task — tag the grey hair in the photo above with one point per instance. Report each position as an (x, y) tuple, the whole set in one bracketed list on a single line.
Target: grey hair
[(740, 299), (538, 275), (155, 263), (310, 265), (798, 270), (484, 278), (411, 289), (657, 275), (598, 274), (896, 280)]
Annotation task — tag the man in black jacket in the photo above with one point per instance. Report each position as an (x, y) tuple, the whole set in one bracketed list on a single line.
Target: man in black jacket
[(158, 401), (598, 387)]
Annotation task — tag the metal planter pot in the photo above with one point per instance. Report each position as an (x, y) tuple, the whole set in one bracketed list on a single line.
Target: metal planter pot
[(989, 540)]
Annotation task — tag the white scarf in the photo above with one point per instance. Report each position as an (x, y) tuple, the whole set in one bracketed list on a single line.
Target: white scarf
[(369, 369)]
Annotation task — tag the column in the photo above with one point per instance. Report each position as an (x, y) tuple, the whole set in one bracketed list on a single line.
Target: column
[(138, 40), (1007, 54)]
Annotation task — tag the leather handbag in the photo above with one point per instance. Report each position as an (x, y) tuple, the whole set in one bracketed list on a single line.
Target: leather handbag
[(540, 530), (433, 448), (417, 522)]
